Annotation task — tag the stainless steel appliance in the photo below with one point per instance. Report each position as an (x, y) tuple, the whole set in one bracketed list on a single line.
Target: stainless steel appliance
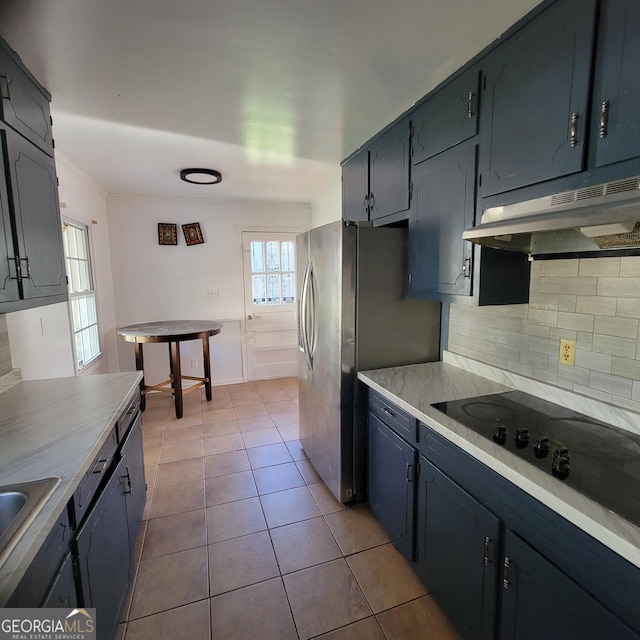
[(594, 458), (352, 315), (585, 221)]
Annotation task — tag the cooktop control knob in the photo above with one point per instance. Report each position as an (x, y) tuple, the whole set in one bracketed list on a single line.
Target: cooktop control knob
[(541, 447), (522, 438), (500, 435), (560, 463)]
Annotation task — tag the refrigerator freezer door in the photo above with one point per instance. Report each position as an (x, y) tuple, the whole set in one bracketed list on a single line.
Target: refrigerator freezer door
[(303, 360), (325, 385)]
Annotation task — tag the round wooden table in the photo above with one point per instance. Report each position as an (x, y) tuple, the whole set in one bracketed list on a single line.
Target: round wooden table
[(174, 332)]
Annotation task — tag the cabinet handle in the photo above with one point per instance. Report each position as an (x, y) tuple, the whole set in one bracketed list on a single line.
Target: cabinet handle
[(574, 129), (28, 276), (5, 88), (487, 553), (372, 202), (409, 472), (505, 578), (388, 413), (16, 267), (129, 489), (100, 466), (470, 113), (604, 119), (466, 267)]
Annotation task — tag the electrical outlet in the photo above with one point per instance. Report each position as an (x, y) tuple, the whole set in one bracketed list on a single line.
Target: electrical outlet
[(194, 363), (567, 352)]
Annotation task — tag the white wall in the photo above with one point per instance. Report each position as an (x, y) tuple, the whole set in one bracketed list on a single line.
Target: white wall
[(40, 339), (159, 282), (40, 342), (327, 207)]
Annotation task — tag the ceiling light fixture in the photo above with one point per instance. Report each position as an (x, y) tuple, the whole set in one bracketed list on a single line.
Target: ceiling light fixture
[(201, 176)]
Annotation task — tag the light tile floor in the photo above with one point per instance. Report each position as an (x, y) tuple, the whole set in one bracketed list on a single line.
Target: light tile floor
[(242, 541)]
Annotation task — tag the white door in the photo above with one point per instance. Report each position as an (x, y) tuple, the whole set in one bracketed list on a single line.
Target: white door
[(271, 336)]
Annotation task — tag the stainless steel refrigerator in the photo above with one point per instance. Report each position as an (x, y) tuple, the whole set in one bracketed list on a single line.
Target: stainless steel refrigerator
[(353, 315)]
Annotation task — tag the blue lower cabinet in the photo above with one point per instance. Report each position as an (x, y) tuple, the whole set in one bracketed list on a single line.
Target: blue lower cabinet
[(500, 564), (102, 547), (458, 542), (392, 464), (105, 542), (133, 481), (540, 601)]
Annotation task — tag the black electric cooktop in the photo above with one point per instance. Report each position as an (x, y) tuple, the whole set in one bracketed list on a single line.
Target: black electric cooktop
[(596, 459)]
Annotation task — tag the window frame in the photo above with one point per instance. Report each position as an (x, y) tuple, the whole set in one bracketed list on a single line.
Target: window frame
[(86, 229), (280, 273)]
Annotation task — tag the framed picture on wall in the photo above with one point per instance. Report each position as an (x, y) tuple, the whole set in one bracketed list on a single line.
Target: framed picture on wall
[(192, 233), (167, 233)]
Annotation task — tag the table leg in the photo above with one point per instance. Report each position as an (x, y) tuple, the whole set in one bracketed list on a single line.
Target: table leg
[(206, 355), (140, 367), (176, 376)]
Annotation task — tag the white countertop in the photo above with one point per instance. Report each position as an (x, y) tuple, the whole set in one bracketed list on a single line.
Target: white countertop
[(54, 428), (415, 387)]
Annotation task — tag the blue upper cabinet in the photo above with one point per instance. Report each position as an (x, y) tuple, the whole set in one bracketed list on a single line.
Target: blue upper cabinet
[(616, 128), (448, 117), (536, 98), (443, 207), (24, 104), (355, 187), (375, 180), (389, 160)]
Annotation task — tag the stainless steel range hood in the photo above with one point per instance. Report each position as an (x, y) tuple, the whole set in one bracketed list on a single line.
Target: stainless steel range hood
[(592, 219)]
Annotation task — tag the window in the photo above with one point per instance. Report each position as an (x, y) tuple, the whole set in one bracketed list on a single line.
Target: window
[(82, 296), (273, 265)]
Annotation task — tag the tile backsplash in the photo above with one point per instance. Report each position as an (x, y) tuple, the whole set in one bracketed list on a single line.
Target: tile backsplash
[(594, 301), (5, 353)]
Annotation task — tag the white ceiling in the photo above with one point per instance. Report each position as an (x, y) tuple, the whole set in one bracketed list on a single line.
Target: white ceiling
[(272, 93)]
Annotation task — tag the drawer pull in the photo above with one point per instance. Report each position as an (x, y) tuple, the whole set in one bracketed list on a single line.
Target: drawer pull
[(388, 412), (100, 466)]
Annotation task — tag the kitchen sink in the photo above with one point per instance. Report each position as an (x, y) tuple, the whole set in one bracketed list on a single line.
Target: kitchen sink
[(19, 505)]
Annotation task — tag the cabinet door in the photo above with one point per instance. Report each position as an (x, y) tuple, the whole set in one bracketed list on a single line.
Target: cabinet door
[(24, 106), (9, 291), (540, 601), (42, 572), (102, 547), (63, 591), (33, 191), (391, 484), (458, 545), (135, 488), (389, 172), (535, 99), (617, 83), (355, 188), (443, 207), (449, 117)]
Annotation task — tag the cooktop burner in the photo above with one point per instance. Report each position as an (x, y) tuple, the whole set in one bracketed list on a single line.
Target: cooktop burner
[(600, 461)]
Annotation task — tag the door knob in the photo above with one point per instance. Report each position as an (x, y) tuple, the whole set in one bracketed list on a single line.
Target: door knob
[(249, 317)]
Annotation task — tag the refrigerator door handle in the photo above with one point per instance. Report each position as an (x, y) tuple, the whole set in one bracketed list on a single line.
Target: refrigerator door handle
[(313, 334), (304, 315)]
